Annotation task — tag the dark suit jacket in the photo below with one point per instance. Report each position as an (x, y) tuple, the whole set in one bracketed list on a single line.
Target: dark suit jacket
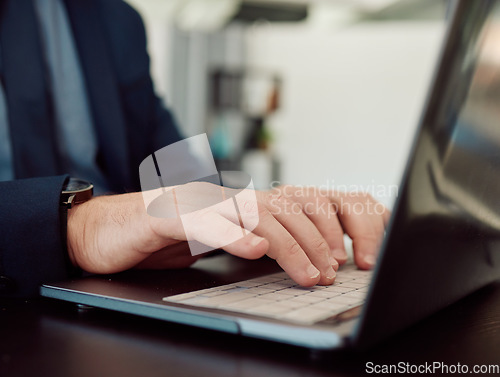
[(129, 119)]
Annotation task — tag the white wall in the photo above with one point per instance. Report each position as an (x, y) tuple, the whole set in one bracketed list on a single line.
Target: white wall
[(351, 98), (159, 29)]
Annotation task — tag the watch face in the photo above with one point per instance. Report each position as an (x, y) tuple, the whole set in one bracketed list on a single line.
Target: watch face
[(76, 184)]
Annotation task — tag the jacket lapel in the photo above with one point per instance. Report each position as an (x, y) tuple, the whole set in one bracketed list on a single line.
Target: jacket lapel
[(102, 89), (28, 98)]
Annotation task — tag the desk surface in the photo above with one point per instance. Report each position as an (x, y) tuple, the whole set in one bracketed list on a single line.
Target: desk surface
[(51, 338)]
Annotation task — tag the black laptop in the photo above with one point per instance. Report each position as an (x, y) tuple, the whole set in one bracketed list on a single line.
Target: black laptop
[(442, 243)]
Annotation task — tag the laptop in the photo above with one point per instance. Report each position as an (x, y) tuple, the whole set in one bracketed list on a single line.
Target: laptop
[(442, 242)]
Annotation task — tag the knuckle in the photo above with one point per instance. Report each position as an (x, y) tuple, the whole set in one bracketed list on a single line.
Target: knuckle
[(228, 235), (292, 248), (319, 244), (248, 207), (336, 232), (263, 212), (287, 190), (296, 207), (368, 236), (250, 219), (320, 199), (270, 197), (275, 203)]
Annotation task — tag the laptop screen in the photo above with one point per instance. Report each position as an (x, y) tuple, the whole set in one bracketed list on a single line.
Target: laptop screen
[(444, 237), (463, 173)]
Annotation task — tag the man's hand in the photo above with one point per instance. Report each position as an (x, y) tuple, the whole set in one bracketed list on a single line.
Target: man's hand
[(301, 228)]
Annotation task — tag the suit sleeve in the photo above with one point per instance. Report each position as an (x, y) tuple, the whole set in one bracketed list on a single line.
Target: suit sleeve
[(31, 247), (150, 125)]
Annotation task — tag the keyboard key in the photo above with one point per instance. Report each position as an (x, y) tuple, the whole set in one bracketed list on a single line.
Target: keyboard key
[(271, 310), (267, 279), (293, 292), (308, 299), (342, 279), (213, 293), (180, 297), (324, 294), (260, 290), (275, 296), (248, 283), (232, 288), (331, 306), (294, 304), (365, 281), (218, 300), (249, 303), (351, 301), (339, 289), (231, 297), (355, 294), (360, 273), (274, 286), (353, 284), (315, 288), (306, 315)]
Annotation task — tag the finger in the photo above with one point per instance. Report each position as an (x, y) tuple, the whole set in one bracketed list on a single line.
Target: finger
[(365, 250), (386, 216), (363, 225), (286, 251), (214, 230), (284, 248), (290, 215), (318, 208)]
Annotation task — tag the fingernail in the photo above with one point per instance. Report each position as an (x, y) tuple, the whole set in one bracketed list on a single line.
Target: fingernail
[(335, 265), (333, 261), (339, 254), (256, 240), (330, 273), (312, 271), (370, 259)]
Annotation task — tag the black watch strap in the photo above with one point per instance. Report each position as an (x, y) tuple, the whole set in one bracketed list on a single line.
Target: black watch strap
[(75, 191)]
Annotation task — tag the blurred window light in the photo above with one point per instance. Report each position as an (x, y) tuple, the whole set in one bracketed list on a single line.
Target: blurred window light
[(190, 15), (325, 15), (373, 5), (206, 15), (157, 9)]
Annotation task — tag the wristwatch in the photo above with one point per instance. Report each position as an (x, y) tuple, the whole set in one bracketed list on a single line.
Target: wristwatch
[(75, 191)]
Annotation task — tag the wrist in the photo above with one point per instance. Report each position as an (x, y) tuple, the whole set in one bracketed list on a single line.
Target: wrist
[(100, 229), (74, 193), (73, 229)]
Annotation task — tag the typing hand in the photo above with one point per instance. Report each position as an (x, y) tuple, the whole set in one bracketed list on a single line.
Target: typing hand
[(302, 229)]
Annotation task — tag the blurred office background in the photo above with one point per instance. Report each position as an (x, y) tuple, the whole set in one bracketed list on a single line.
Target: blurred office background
[(309, 92)]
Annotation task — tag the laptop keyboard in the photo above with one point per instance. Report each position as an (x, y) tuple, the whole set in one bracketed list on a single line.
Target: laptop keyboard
[(279, 297)]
